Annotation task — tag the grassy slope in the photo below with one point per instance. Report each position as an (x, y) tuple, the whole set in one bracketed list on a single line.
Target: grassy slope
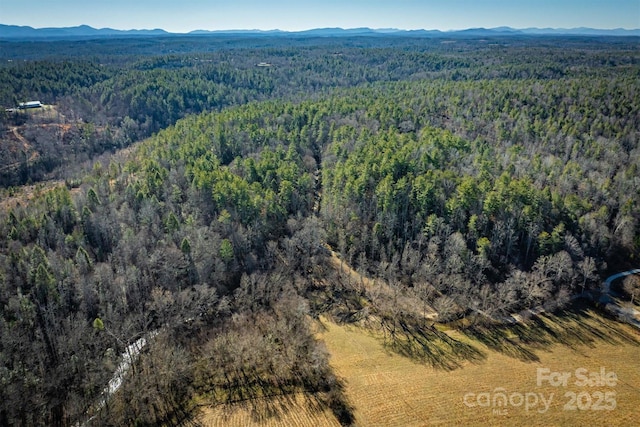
[(388, 389), (282, 411)]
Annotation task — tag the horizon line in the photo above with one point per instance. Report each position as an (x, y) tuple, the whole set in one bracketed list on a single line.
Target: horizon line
[(330, 28)]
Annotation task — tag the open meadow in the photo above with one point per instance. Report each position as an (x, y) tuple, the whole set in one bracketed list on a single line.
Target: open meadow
[(388, 389)]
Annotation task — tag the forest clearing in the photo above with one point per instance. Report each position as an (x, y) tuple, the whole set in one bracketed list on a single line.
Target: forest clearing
[(387, 386), (387, 389)]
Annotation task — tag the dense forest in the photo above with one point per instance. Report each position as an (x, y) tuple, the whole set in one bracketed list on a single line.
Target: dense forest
[(108, 94), (474, 178)]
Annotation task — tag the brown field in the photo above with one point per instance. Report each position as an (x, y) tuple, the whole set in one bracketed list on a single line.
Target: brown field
[(387, 389), (281, 411)]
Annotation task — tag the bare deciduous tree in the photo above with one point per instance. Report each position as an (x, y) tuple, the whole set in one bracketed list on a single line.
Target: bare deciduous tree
[(631, 285)]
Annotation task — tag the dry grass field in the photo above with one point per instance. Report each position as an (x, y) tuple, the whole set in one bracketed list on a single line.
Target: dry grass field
[(281, 411), (389, 389)]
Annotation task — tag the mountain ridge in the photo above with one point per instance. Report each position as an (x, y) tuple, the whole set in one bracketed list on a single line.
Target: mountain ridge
[(86, 31), (15, 31)]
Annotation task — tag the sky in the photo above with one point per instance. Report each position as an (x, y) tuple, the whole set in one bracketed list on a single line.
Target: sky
[(294, 15)]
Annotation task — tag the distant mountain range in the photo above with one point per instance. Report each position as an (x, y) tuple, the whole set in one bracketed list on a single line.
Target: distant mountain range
[(85, 31), (82, 31)]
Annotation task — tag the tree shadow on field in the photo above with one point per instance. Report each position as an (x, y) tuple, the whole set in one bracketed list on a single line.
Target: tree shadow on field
[(406, 330), (576, 327), (274, 408), (413, 338), (501, 340)]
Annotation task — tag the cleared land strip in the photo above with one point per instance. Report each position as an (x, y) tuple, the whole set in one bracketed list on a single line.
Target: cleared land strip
[(379, 288)]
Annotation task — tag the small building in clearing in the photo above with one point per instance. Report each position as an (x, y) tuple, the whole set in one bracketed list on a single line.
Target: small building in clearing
[(29, 104)]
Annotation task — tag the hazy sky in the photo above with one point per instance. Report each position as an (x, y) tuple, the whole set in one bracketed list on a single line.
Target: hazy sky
[(187, 15)]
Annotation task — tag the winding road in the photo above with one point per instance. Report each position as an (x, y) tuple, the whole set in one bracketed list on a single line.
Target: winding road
[(629, 315), (129, 357), (606, 285), (26, 148)]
